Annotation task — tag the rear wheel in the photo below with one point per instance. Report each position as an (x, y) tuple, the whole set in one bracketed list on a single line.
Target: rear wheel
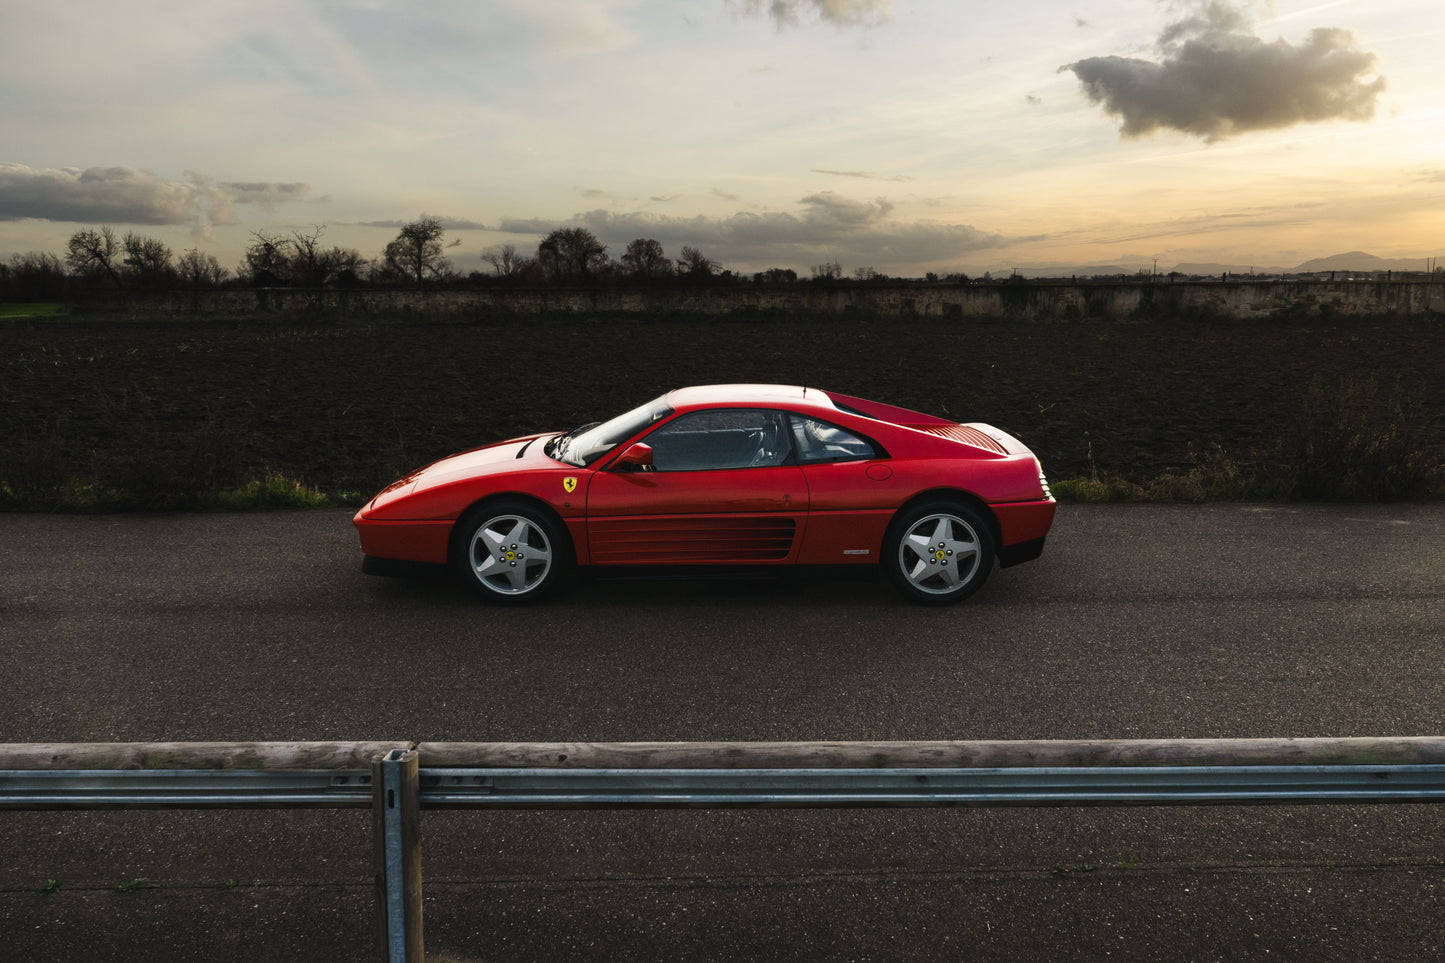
[(939, 552), (512, 552)]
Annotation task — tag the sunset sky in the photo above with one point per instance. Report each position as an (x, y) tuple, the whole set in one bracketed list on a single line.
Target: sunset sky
[(908, 136)]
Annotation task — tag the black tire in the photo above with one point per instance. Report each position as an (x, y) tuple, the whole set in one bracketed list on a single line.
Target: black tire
[(938, 552), (512, 552)]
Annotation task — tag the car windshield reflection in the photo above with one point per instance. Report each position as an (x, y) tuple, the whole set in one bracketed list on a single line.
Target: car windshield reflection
[(583, 446)]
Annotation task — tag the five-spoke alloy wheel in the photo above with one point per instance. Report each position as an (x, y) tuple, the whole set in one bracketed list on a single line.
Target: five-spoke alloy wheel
[(938, 552), (512, 552)]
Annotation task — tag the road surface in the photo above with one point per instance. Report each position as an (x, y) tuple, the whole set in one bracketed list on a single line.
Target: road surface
[(1138, 622)]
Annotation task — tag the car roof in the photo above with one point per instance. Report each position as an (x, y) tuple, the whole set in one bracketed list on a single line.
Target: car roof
[(706, 396)]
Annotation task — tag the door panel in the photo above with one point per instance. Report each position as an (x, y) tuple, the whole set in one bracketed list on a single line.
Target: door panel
[(850, 511), (697, 517)]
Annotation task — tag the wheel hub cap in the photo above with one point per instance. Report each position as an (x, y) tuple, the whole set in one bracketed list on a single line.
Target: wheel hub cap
[(939, 553)]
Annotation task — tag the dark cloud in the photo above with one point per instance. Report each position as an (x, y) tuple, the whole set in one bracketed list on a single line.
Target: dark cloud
[(447, 223), (124, 195), (825, 226), (846, 13), (1215, 78), (866, 175), (831, 212), (267, 195)]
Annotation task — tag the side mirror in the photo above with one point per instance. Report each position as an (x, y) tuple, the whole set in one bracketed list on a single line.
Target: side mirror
[(636, 458)]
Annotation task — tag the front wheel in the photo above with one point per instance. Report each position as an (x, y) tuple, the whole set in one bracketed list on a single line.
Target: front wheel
[(938, 552), (512, 552)]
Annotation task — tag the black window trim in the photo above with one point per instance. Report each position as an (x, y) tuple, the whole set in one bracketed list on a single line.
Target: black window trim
[(791, 460), (879, 452)]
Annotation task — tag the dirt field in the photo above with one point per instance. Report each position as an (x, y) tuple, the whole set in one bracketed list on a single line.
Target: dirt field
[(158, 410)]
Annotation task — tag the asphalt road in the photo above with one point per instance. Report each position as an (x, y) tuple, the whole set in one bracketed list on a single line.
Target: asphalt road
[(1141, 621)]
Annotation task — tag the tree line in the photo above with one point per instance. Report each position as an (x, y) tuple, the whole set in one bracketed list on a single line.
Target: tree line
[(96, 258)]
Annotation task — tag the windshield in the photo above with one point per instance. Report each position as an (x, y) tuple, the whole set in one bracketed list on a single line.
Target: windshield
[(582, 446)]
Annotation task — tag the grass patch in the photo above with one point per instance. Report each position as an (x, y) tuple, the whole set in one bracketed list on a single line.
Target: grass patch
[(1351, 441), (1060, 869), (211, 415), (1359, 441), (27, 310), (77, 496), (1212, 476), (276, 491), (73, 495)]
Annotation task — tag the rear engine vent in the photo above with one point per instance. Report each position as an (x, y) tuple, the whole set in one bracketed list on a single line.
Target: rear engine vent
[(963, 433)]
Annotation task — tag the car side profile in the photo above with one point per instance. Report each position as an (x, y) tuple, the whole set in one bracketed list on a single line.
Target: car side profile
[(723, 475)]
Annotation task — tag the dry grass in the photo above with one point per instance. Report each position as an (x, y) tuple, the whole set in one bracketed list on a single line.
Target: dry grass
[(1352, 441), (195, 415)]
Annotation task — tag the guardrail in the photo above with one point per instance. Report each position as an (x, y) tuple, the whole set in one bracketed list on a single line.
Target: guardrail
[(399, 779)]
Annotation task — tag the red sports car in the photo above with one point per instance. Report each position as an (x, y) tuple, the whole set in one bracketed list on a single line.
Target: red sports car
[(724, 475)]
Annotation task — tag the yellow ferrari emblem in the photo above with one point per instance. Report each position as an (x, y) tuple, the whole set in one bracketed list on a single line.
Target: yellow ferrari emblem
[(569, 484)]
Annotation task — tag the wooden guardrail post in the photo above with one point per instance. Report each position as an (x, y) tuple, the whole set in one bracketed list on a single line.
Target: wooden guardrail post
[(273, 756), (396, 823)]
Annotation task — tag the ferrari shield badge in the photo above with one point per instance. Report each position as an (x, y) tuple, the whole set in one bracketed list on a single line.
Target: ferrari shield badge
[(569, 484)]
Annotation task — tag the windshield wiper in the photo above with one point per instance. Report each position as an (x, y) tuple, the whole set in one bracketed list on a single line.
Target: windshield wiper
[(557, 447)]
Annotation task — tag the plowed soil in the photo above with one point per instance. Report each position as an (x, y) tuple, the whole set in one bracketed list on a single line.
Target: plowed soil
[(160, 409)]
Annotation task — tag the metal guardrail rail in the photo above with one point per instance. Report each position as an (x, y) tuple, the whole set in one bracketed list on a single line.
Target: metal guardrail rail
[(390, 778), (726, 788)]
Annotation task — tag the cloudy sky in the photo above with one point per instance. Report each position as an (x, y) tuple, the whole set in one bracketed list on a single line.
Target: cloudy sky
[(904, 135)]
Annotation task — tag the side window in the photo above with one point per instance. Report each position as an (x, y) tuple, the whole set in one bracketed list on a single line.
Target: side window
[(720, 439), (818, 441)]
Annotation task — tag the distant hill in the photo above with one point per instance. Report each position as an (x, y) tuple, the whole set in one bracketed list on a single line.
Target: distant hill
[(1357, 262), (1208, 270), (1362, 262), (1069, 270)]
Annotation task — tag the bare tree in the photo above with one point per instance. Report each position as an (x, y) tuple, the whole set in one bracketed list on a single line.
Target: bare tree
[(148, 260), (311, 265), (776, 276), (827, 271), (267, 261), (506, 261), (572, 253), (306, 263), (91, 252), (694, 264), (33, 276), (200, 270), (416, 253), (342, 265), (644, 259)]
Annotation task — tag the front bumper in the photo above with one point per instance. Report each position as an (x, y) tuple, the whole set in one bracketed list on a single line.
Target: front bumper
[(407, 541)]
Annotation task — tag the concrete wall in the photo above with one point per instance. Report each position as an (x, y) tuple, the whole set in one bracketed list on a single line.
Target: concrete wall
[(1034, 300)]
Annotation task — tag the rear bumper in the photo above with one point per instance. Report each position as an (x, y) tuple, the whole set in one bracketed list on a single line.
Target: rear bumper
[(1023, 526), (1021, 552)]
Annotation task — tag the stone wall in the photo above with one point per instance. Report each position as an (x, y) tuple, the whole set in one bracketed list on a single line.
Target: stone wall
[(1031, 300)]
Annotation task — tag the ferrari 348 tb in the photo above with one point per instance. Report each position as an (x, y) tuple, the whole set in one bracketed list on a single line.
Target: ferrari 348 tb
[(724, 475)]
